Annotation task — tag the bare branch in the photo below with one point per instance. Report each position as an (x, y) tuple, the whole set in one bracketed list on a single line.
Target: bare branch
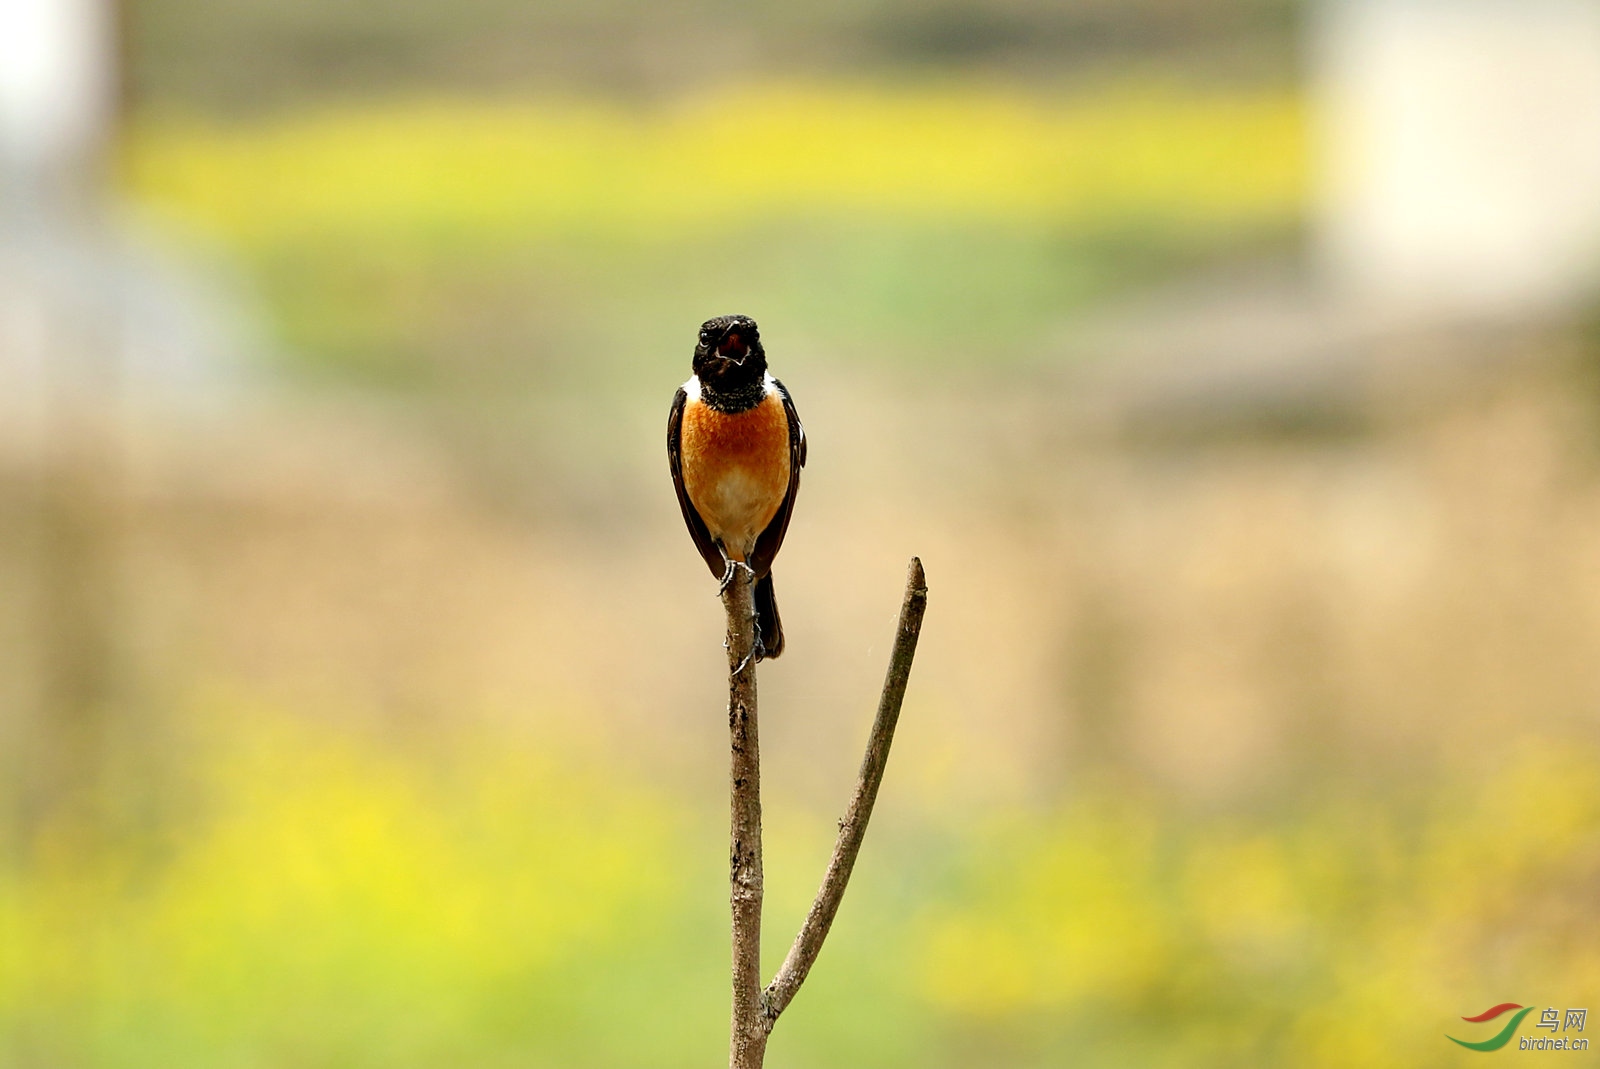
[(755, 1011), (748, 1041), (853, 828)]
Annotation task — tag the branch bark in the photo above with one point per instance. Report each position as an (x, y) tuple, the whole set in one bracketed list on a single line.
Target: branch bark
[(756, 1011), (748, 1042)]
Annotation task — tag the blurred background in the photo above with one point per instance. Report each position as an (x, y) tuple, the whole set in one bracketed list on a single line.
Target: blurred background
[(1233, 365)]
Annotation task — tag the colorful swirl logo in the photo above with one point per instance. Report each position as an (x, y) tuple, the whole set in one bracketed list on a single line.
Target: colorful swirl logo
[(1503, 1037)]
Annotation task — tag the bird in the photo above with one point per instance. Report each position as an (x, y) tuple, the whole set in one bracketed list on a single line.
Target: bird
[(736, 446)]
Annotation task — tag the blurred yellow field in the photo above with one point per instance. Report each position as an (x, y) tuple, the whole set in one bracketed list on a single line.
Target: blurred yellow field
[(492, 171), (343, 899), (909, 220)]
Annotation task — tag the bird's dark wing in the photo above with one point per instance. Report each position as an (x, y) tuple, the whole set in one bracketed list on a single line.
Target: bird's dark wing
[(771, 539), (697, 528)]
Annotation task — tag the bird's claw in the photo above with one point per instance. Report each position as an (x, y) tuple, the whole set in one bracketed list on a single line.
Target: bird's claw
[(757, 654), (729, 572)]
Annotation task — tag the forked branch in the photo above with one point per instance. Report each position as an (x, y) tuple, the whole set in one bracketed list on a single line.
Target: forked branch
[(756, 1011)]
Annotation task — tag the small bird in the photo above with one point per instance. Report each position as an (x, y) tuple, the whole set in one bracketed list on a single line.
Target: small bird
[(736, 448)]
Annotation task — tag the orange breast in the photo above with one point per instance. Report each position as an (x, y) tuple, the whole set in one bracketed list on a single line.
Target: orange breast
[(736, 469)]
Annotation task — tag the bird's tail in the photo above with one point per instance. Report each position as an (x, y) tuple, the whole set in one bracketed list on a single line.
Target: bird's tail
[(768, 626)]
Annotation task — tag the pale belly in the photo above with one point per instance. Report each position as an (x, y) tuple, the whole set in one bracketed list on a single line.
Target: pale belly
[(736, 470)]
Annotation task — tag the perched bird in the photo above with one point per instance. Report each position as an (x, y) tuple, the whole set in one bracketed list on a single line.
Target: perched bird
[(736, 447)]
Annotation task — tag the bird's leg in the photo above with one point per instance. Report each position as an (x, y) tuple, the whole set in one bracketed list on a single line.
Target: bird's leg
[(728, 567), (757, 650), (757, 653)]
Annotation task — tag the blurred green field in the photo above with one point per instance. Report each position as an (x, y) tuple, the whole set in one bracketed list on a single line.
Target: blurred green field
[(443, 244)]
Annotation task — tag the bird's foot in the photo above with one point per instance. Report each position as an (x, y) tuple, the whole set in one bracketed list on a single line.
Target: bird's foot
[(729, 572), (758, 652)]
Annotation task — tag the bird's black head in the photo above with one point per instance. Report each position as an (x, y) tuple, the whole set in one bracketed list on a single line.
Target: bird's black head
[(729, 360)]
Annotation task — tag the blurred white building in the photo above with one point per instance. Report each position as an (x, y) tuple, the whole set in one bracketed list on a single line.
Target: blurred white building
[(1457, 178), (92, 312), (57, 83), (1460, 151), (106, 335)]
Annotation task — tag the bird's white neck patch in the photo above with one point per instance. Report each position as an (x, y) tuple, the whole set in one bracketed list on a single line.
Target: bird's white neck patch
[(691, 389)]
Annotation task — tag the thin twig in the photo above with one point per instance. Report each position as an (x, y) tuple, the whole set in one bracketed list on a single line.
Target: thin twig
[(755, 1011), (748, 1040), (853, 828)]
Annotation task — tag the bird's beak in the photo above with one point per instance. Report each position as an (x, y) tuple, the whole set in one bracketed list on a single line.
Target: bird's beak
[(733, 347)]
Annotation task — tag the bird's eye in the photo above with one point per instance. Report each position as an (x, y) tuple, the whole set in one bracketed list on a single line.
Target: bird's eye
[(705, 335)]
